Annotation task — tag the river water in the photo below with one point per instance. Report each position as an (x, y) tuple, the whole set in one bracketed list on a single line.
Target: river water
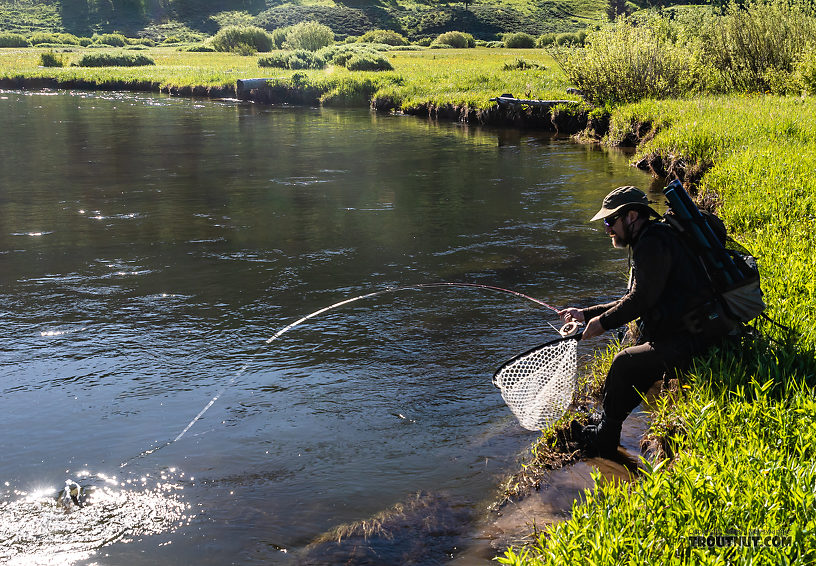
[(149, 248)]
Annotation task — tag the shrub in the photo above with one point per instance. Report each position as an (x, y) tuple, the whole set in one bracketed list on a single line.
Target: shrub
[(200, 48), (51, 59), (806, 72), (114, 39), (55, 38), (456, 39), (575, 38), (376, 62), (180, 32), (295, 60), (385, 36), (545, 40), (279, 36), (358, 57), (626, 61), (749, 46), (342, 20), (425, 41), (310, 36), (13, 40), (233, 38), (232, 18), (114, 60), (519, 41)]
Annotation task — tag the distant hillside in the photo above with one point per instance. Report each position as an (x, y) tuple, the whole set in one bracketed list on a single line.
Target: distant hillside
[(485, 19)]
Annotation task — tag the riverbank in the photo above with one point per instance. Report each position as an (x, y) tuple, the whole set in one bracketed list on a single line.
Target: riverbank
[(734, 479), (439, 83)]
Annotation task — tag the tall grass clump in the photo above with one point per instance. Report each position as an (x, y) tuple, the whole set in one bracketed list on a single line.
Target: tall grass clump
[(385, 36), (457, 39), (237, 38), (628, 60), (13, 40), (114, 60), (310, 36)]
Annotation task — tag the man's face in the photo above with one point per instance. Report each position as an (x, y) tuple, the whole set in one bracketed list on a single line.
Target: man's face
[(615, 227)]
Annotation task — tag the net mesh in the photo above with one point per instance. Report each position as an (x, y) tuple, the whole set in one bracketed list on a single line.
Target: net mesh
[(538, 385)]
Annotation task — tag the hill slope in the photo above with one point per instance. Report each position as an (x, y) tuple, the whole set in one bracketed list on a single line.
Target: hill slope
[(485, 19)]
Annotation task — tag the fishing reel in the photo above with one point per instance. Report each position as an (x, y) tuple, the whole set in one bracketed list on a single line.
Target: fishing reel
[(570, 329)]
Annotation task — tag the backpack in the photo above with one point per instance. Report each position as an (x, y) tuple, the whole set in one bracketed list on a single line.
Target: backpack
[(732, 272)]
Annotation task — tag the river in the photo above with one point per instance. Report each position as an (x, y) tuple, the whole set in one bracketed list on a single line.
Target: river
[(150, 246)]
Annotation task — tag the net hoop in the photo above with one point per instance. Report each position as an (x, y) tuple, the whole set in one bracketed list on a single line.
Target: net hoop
[(538, 385)]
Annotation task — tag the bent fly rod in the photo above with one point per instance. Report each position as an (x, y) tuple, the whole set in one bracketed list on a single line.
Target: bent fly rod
[(318, 312)]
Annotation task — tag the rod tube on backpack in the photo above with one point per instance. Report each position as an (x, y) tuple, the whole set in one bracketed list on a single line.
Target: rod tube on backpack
[(682, 205)]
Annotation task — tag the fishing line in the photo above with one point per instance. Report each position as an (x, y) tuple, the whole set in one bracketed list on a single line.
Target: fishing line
[(318, 312)]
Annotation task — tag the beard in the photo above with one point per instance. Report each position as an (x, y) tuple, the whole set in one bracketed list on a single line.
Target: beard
[(620, 242)]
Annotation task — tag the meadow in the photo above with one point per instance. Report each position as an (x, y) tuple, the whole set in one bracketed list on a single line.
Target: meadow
[(445, 76)]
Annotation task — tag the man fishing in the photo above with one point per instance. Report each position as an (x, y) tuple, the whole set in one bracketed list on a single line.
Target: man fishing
[(666, 282)]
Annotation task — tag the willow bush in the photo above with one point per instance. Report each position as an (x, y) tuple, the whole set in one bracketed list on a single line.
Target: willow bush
[(751, 46), (754, 46), (310, 36), (385, 36), (13, 40), (234, 38), (628, 60), (519, 40), (456, 39)]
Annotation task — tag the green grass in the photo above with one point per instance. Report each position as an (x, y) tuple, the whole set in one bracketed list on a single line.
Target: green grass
[(743, 427), (452, 76)]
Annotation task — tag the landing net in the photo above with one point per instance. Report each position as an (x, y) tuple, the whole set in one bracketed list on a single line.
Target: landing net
[(538, 385)]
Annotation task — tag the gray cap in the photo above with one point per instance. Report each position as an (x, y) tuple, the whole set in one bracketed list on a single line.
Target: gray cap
[(622, 197)]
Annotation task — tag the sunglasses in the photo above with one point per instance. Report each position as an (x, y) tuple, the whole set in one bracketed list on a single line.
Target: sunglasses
[(609, 221)]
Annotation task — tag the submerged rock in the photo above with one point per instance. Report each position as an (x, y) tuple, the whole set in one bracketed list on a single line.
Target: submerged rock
[(422, 530)]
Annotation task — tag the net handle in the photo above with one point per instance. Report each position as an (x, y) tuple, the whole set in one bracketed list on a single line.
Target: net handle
[(515, 358)]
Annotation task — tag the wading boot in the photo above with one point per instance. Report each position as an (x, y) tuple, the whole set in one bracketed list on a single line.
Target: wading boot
[(598, 439)]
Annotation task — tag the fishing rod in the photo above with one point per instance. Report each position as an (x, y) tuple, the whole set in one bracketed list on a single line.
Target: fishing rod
[(318, 312)]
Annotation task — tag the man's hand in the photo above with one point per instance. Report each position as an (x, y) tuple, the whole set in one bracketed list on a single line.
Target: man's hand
[(571, 314), (593, 328)]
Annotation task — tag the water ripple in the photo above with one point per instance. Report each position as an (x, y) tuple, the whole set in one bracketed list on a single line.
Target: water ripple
[(35, 528)]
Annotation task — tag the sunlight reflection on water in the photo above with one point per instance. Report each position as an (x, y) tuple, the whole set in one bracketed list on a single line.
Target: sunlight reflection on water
[(36, 529)]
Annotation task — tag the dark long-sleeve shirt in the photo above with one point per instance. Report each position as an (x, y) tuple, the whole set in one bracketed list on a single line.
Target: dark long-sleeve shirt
[(665, 282)]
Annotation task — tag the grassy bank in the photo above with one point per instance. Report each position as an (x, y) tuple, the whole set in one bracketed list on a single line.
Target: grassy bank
[(742, 428), (442, 76)]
